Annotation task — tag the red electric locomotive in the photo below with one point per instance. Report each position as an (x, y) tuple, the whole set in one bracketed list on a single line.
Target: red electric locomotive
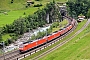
[(27, 45), (31, 44)]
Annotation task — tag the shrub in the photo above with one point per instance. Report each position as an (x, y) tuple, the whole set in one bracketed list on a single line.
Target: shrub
[(38, 5), (6, 43), (32, 2)]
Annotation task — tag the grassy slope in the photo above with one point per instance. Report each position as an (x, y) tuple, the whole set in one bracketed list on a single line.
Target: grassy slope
[(76, 49), (78, 27), (6, 4), (5, 37), (61, 25), (13, 15)]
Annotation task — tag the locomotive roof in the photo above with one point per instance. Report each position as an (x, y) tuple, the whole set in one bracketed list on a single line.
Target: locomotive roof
[(33, 40), (28, 42)]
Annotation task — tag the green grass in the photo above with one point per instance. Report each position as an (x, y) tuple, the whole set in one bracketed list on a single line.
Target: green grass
[(61, 25), (6, 4), (5, 37), (78, 27), (77, 49), (13, 15), (72, 51)]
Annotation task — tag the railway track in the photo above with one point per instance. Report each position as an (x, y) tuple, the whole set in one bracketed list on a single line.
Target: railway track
[(62, 43), (15, 54)]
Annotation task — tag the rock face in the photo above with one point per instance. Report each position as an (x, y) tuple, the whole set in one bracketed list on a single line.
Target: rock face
[(63, 10)]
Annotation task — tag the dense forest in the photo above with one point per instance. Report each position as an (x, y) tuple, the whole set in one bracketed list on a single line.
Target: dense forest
[(77, 7)]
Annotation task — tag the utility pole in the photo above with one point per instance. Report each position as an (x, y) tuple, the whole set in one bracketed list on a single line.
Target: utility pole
[(2, 44), (3, 50)]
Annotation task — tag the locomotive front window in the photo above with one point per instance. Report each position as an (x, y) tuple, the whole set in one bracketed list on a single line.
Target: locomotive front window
[(21, 46)]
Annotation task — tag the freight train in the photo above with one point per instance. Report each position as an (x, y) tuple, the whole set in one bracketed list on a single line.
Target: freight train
[(32, 44)]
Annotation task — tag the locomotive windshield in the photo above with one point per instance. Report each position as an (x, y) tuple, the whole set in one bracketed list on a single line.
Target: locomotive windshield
[(21, 46)]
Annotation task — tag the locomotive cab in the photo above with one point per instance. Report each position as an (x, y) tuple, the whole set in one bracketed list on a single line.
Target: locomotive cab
[(21, 47)]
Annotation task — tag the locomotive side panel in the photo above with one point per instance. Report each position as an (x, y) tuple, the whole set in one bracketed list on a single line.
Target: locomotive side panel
[(50, 37), (62, 32), (42, 41), (31, 45), (70, 27), (66, 29), (57, 34)]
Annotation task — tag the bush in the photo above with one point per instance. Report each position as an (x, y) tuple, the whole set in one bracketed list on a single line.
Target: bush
[(55, 24), (9, 41), (38, 5), (24, 13), (26, 6), (6, 43), (32, 2)]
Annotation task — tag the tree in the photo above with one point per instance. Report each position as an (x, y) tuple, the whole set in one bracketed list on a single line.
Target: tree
[(76, 7), (20, 26)]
